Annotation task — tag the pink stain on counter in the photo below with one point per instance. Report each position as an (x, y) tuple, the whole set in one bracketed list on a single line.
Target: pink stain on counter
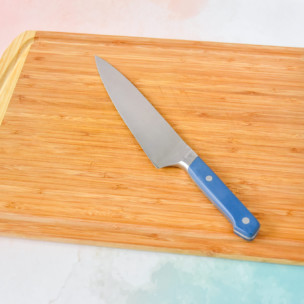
[(182, 9), (134, 18), (18, 16)]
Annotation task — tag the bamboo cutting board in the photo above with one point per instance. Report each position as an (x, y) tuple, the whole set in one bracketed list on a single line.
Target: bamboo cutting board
[(71, 171)]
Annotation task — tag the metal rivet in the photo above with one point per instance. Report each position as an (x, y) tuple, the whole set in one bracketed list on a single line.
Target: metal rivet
[(208, 178), (245, 220)]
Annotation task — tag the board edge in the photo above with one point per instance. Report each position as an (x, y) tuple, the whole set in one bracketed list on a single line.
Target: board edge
[(147, 248), (11, 64)]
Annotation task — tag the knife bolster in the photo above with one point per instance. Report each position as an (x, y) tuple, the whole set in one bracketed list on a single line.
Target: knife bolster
[(188, 159)]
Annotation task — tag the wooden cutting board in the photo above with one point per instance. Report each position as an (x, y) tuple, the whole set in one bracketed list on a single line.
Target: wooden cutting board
[(71, 171)]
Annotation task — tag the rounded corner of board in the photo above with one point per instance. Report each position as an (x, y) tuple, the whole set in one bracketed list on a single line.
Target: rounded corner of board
[(11, 64)]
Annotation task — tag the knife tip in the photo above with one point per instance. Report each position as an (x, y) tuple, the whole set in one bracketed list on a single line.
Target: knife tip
[(100, 62)]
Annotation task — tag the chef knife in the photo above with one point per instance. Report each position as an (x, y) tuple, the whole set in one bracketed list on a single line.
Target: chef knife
[(164, 147)]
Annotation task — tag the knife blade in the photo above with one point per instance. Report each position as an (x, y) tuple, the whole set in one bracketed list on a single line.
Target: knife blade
[(164, 147)]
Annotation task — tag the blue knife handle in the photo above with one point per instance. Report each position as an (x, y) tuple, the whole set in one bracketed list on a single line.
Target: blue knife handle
[(244, 223)]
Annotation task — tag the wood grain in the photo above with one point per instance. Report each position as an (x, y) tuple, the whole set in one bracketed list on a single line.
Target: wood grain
[(71, 171)]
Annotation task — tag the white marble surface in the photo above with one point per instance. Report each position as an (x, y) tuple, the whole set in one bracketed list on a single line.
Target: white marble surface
[(42, 272)]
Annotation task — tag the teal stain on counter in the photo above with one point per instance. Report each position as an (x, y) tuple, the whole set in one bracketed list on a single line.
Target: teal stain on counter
[(120, 276), (196, 280)]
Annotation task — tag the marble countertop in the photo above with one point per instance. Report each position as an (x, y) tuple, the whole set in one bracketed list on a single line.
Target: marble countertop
[(44, 272)]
